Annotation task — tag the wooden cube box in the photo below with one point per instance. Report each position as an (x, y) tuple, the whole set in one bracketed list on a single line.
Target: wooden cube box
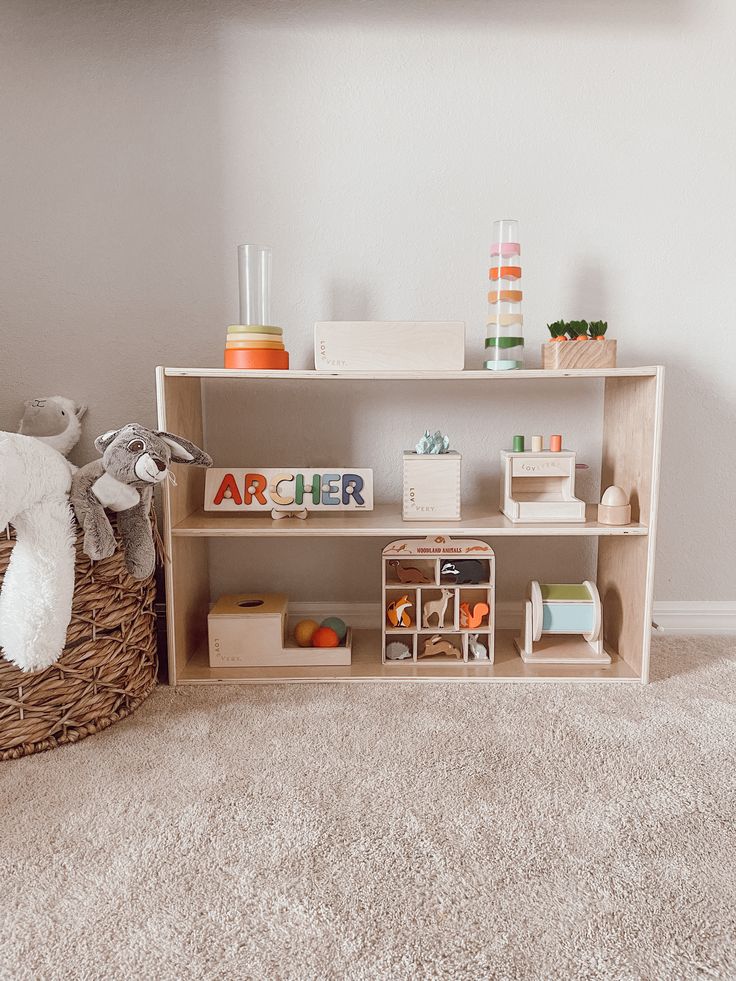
[(247, 629), (431, 486), (579, 354)]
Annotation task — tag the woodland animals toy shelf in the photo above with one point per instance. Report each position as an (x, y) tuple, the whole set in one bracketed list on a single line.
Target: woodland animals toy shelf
[(562, 608), (454, 596)]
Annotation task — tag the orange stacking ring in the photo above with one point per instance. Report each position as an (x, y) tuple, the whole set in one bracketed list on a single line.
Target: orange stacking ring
[(507, 296), (243, 358), (504, 272)]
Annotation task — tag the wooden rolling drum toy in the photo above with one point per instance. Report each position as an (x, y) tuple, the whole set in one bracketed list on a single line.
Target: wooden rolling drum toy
[(562, 608)]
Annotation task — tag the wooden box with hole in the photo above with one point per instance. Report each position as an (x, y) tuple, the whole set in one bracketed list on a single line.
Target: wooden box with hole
[(250, 629)]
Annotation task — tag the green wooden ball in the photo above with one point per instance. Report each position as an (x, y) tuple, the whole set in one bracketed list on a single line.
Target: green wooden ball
[(336, 624)]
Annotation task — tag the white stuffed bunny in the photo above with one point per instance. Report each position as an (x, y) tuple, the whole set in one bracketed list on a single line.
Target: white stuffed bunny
[(36, 596)]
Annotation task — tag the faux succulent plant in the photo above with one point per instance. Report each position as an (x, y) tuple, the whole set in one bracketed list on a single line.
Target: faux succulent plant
[(577, 330)]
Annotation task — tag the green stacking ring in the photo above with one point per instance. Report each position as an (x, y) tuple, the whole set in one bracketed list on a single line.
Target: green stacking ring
[(504, 342)]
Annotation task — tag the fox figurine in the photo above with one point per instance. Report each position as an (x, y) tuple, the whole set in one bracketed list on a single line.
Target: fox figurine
[(396, 612)]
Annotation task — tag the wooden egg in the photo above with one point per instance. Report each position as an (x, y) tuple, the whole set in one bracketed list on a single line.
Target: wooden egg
[(615, 497)]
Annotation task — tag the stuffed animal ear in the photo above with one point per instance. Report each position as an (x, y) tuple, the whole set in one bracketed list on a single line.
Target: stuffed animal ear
[(102, 442), (182, 451), (81, 411)]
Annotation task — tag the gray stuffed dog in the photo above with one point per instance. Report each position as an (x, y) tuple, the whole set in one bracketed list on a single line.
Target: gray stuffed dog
[(134, 460)]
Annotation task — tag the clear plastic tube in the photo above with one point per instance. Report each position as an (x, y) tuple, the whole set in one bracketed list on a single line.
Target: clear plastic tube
[(504, 334), (254, 275)]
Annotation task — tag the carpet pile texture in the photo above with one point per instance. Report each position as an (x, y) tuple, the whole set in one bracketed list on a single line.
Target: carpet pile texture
[(386, 831)]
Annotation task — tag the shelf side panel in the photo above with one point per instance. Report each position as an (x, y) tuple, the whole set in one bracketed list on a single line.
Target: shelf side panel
[(180, 413), (187, 568), (632, 425)]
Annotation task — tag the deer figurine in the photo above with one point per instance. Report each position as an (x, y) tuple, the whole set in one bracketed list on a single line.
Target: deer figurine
[(438, 608)]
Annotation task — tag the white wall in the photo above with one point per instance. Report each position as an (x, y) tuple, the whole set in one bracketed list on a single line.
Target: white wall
[(372, 144)]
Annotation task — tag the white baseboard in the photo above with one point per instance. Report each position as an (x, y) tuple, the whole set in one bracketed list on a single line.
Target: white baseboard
[(670, 617), (700, 617)]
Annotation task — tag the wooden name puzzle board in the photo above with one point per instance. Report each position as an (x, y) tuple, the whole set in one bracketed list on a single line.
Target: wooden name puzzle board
[(284, 488), (438, 600)]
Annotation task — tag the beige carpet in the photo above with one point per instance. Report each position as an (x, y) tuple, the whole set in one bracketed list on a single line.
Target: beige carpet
[(382, 831)]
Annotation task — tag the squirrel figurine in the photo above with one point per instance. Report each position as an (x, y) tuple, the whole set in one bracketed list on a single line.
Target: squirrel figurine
[(473, 618)]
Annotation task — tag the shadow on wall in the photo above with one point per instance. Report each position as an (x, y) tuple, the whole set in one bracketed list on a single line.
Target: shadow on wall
[(111, 259), (701, 418), (627, 14)]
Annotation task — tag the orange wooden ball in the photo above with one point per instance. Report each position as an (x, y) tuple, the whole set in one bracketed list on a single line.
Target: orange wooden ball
[(325, 637), (304, 631)]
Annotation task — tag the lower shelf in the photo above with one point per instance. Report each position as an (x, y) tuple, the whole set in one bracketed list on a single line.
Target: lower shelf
[(366, 666)]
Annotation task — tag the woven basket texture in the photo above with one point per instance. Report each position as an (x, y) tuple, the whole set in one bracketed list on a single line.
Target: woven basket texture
[(107, 668)]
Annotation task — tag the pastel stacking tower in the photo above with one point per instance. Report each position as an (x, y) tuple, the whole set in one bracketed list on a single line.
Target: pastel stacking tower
[(504, 335), (254, 343)]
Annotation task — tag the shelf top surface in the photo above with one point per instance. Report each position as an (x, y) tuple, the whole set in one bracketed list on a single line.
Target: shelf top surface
[(385, 521), (467, 375)]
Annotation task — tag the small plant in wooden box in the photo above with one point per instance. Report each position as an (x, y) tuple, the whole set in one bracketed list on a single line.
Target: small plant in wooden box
[(431, 480), (578, 344)]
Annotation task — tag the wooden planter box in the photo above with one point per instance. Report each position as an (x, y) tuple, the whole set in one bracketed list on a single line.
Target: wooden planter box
[(431, 486), (579, 354)]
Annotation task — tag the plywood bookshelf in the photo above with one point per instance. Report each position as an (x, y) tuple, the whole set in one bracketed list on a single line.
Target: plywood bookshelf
[(630, 440)]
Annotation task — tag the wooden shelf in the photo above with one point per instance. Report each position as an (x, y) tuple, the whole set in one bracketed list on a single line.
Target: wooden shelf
[(367, 667), (468, 375), (385, 521), (630, 458)]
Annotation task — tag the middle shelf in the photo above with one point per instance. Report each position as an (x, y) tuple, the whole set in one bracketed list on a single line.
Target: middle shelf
[(385, 521)]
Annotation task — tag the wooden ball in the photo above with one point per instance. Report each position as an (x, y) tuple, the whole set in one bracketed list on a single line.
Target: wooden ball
[(304, 631), (336, 624), (325, 637)]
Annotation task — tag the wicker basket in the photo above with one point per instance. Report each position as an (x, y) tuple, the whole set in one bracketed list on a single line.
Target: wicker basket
[(106, 670)]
